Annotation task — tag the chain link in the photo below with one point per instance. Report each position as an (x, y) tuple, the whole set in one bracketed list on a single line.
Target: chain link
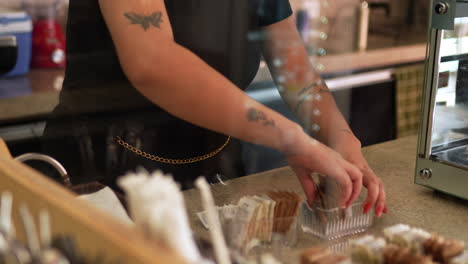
[(141, 153)]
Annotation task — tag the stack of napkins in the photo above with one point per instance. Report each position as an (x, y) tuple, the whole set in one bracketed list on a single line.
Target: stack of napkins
[(107, 201)]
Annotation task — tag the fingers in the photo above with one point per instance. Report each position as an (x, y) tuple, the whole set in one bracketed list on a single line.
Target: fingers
[(372, 183), (375, 185), (307, 184), (356, 178), (344, 180), (381, 204), (349, 177)]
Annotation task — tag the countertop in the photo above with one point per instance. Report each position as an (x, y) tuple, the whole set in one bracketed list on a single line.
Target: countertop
[(394, 162), (30, 97), (34, 96), (348, 63)]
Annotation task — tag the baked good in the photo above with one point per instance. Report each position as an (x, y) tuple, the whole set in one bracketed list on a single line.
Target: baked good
[(394, 234), (407, 237), (367, 250), (319, 255), (394, 254), (443, 250), (286, 210)]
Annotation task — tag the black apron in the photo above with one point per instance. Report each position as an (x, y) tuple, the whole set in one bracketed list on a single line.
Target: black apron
[(99, 104)]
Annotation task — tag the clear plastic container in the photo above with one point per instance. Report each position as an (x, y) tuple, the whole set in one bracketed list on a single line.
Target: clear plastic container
[(248, 233), (334, 223), (256, 238), (249, 240)]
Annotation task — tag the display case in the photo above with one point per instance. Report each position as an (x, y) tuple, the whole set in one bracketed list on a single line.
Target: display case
[(442, 160)]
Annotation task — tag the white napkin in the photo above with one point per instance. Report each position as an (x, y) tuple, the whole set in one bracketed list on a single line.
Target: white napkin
[(107, 201), (157, 206)]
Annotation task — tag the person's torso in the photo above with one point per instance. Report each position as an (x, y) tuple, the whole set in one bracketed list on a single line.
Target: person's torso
[(217, 31)]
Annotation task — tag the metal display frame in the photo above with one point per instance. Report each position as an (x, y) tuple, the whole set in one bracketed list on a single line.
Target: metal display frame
[(444, 176)]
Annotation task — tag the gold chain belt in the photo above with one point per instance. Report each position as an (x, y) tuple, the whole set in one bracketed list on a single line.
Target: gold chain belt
[(140, 152)]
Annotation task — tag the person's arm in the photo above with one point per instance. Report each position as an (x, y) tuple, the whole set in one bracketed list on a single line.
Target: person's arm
[(178, 81), (184, 85), (312, 102)]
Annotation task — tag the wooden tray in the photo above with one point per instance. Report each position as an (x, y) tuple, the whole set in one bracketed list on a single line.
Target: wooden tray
[(95, 232)]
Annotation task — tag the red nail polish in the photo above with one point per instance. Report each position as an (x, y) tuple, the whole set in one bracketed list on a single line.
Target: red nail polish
[(385, 210), (367, 207)]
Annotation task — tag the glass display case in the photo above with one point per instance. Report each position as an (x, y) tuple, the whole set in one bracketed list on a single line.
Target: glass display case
[(442, 161)]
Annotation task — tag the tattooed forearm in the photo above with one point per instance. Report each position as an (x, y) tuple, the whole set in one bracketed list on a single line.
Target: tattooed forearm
[(253, 115), (155, 19), (324, 90), (305, 95), (309, 87), (300, 103)]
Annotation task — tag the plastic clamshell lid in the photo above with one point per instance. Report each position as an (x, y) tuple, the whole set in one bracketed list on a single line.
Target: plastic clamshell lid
[(334, 223)]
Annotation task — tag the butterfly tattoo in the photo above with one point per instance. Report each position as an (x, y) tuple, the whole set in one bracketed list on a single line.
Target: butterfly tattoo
[(154, 19)]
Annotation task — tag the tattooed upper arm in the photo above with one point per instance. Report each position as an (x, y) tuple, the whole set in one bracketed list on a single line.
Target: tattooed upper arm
[(145, 21), (135, 26), (124, 18)]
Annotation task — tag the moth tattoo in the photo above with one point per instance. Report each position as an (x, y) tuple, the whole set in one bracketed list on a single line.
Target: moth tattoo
[(253, 115), (154, 19)]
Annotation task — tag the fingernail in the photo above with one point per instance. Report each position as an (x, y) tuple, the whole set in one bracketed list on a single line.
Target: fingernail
[(385, 210), (378, 211), (367, 207)]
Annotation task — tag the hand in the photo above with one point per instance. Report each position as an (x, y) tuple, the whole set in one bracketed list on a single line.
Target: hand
[(350, 149), (311, 156)]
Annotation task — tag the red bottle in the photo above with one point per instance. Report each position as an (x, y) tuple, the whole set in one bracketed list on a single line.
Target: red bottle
[(48, 40)]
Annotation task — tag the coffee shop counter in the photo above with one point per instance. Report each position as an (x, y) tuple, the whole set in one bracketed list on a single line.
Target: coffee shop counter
[(394, 162)]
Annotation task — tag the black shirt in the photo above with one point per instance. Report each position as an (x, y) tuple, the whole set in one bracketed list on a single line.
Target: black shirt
[(98, 102)]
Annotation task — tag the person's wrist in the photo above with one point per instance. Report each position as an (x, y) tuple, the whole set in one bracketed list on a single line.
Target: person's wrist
[(345, 137), (291, 139)]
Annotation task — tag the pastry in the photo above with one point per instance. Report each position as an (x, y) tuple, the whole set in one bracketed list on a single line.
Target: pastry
[(443, 250), (407, 237), (394, 234), (394, 254), (367, 250), (319, 255)]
